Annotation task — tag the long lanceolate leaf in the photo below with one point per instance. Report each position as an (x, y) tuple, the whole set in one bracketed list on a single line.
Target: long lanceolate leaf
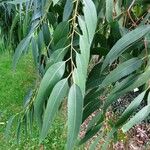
[(67, 10), (17, 1), (124, 43), (51, 77), (140, 116), (87, 25), (121, 71), (127, 86), (90, 134), (109, 10), (59, 91), (130, 109), (90, 18), (24, 44), (148, 98), (75, 106), (8, 126)]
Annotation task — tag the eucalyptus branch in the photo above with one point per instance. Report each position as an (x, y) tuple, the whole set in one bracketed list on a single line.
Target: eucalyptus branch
[(74, 18)]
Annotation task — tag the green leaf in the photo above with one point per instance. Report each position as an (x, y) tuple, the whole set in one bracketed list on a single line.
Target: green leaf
[(90, 17), (95, 82), (46, 34), (61, 31), (91, 107), (56, 56), (55, 2), (84, 41), (124, 43), (8, 126), (87, 25), (129, 85), (109, 10), (141, 79), (35, 52), (95, 92), (121, 71), (41, 43), (67, 10), (31, 116), (108, 139), (95, 77), (75, 106), (13, 25), (23, 45), (62, 43), (130, 109), (18, 130), (47, 4), (51, 18), (17, 1), (79, 79), (92, 94), (51, 77), (141, 115), (125, 83), (90, 134), (59, 91), (102, 51), (148, 98), (97, 119), (96, 141), (81, 64), (59, 54)]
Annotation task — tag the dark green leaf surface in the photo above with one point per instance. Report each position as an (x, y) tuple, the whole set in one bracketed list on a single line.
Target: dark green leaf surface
[(122, 70), (8, 126), (124, 43), (128, 86), (59, 91), (67, 10), (61, 31), (90, 134), (24, 44), (51, 77)]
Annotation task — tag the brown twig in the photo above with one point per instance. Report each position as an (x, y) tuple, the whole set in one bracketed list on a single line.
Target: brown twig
[(128, 13)]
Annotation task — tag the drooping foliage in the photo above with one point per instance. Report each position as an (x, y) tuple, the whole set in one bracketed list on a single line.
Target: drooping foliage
[(14, 20), (64, 37)]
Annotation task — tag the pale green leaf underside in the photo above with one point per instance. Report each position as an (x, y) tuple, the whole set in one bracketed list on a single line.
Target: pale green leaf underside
[(131, 108), (109, 10), (75, 106), (141, 115)]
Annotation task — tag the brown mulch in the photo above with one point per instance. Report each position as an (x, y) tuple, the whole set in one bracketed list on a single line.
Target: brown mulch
[(138, 138)]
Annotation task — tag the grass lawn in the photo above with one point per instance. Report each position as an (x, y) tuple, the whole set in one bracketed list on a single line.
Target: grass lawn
[(13, 87)]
